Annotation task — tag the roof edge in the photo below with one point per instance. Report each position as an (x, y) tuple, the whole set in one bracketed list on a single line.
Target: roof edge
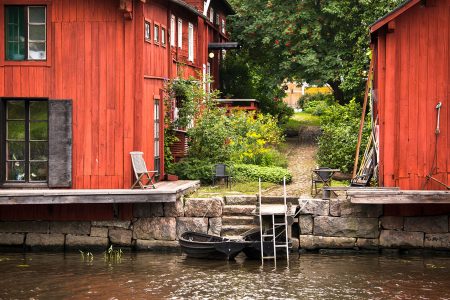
[(393, 14)]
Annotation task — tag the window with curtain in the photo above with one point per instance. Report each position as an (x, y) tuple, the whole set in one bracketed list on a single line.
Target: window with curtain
[(25, 32)]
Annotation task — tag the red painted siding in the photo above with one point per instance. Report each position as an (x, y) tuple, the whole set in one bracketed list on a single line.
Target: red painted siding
[(99, 59), (412, 76)]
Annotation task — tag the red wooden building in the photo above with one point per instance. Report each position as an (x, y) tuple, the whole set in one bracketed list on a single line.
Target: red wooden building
[(81, 84), (411, 89)]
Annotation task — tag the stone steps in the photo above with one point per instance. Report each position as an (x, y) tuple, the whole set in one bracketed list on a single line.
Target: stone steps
[(238, 220), (233, 230), (238, 210), (241, 200)]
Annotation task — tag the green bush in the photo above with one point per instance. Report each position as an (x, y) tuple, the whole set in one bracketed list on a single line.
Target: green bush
[(243, 173), (194, 169), (316, 108), (271, 158), (305, 99), (337, 144)]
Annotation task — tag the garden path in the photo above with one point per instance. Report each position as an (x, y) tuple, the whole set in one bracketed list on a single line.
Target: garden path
[(301, 160)]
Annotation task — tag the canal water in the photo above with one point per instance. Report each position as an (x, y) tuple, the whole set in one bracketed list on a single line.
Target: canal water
[(174, 276)]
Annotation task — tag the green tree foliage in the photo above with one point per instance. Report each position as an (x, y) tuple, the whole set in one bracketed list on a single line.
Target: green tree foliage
[(318, 41), (337, 144), (243, 80)]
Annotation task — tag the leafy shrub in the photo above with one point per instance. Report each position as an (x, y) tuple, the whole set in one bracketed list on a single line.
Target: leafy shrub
[(243, 173), (271, 158), (194, 169), (305, 99), (337, 144), (253, 137), (316, 108)]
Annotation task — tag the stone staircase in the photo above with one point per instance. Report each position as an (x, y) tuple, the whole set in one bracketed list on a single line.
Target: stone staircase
[(237, 217)]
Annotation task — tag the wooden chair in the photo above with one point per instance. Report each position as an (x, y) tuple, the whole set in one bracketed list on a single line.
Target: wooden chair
[(144, 178)]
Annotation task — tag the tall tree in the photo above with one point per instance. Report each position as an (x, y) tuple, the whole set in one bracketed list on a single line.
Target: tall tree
[(318, 41)]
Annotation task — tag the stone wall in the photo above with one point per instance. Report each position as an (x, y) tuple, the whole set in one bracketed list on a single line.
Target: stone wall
[(321, 224), (155, 226), (339, 224)]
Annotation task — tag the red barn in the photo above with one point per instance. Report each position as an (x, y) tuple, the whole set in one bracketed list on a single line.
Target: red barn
[(81, 84), (411, 79), (410, 100)]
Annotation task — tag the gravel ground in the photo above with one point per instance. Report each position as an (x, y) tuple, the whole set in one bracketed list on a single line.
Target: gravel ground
[(301, 159)]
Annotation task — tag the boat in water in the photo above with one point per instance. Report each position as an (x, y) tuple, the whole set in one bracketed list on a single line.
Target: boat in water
[(201, 245)]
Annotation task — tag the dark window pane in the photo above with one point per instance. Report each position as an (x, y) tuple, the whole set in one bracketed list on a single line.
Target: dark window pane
[(16, 110), (38, 150), (36, 32), (15, 171), (15, 130), (38, 110), (38, 131), (15, 33), (38, 171), (36, 14), (15, 150)]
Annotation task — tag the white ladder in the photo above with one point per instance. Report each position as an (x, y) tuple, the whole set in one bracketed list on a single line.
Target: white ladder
[(275, 225)]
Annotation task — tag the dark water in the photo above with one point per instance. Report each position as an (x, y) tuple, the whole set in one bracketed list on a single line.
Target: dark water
[(172, 276)]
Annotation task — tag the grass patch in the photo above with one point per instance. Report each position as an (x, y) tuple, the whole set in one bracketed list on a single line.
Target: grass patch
[(301, 119), (248, 188), (306, 119)]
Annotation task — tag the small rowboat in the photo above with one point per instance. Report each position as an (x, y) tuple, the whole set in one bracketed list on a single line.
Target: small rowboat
[(200, 245)]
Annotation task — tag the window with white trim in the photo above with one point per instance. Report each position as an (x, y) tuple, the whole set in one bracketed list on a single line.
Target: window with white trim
[(211, 15), (172, 31), (191, 42), (217, 19), (156, 34), (223, 26), (163, 36), (147, 31), (25, 32), (180, 33)]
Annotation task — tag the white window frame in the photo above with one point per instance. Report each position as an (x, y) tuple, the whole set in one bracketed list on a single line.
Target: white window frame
[(172, 31), (163, 36), (217, 19), (211, 15), (45, 32), (147, 31), (156, 29), (223, 26), (191, 42), (180, 33)]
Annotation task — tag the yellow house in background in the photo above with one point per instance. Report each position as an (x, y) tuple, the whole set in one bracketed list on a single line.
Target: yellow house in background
[(295, 90)]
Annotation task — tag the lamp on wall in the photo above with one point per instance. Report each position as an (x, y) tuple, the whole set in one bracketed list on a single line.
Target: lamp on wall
[(211, 54)]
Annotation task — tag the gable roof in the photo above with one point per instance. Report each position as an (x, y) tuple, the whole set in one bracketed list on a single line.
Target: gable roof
[(404, 6)]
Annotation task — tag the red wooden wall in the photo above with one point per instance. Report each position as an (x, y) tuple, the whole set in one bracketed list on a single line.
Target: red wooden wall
[(411, 76), (99, 59)]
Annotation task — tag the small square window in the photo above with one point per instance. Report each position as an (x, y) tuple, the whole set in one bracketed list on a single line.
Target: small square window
[(147, 31), (25, 32), (163, 36), (156, 34)]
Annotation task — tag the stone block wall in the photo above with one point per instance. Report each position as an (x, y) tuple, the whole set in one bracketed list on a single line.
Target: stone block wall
[(321, 224), (155, 226), (363, 227)]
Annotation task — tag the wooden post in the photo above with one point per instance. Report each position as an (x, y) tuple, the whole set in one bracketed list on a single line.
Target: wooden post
[(363, 115)]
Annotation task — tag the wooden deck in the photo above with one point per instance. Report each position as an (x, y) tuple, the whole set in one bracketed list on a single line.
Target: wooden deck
[(392, 196), (166, 191)]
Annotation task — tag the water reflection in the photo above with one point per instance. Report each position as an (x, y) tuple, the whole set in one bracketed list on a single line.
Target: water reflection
[(165, 276)]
